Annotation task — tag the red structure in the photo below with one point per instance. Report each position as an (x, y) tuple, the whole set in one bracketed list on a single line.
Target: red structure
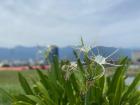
[(22, 68)]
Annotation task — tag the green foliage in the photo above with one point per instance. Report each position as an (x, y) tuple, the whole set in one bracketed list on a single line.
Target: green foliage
[(25, 84), (79, 88)]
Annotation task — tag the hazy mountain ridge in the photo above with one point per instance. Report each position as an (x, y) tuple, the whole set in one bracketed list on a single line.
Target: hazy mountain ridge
[(67, 52), (18, 53), (25, 53)]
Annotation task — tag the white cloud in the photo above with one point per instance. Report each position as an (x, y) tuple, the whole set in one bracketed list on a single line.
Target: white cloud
[(31, 22)]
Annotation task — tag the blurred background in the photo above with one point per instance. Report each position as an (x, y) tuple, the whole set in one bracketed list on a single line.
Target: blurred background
[(29, 28)]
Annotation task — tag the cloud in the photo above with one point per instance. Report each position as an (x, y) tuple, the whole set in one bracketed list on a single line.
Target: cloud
[(32, 22)]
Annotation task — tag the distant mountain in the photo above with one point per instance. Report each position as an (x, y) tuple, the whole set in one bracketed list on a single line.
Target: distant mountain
[(67, 52), (18, 53), (25, 53)]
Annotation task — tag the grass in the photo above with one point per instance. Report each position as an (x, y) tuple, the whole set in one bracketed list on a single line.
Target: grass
[(68, 84), (9, 82)]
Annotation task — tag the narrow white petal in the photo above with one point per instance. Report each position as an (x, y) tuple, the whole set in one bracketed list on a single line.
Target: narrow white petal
[(112, 53)]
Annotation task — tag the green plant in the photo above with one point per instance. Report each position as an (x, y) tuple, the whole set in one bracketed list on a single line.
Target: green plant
[(67, 84), (80, 84)]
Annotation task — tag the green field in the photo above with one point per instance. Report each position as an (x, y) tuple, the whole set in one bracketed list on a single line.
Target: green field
[(9, 82)]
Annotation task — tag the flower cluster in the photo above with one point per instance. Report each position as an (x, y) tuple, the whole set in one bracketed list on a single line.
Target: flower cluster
[(68, 70), (94, 59), (99, 59)]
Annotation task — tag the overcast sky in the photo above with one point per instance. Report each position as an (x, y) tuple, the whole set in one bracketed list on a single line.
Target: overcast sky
[(63, 22)]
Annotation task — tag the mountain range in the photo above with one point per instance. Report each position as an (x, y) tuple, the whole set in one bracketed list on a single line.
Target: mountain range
[(26, 53)]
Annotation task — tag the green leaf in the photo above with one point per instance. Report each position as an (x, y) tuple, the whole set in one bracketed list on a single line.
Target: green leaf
[(117, 83), (21, 103), (70, 93), (82, 42), (2, 91), (120, 72), (132, 87), (25, 84), (36, 99), (45, 93), (23, 98), (118, 92)]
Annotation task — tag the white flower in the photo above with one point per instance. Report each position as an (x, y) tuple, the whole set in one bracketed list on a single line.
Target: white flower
[(99, 59), (85, 49), (102, 60), (69, 69)]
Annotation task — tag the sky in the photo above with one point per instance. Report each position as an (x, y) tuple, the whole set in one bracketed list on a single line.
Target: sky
[(113, 23)]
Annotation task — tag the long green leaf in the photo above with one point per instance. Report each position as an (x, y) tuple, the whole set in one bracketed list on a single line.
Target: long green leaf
[(132, 87), (25, 84)]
